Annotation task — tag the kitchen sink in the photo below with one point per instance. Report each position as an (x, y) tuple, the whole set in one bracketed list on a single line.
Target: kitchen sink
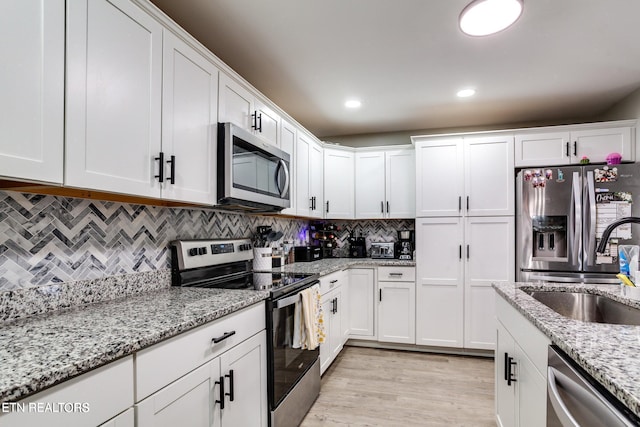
[(587, 307)]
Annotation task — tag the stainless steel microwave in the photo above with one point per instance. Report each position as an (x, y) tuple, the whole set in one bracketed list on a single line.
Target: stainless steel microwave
[(253, 175)]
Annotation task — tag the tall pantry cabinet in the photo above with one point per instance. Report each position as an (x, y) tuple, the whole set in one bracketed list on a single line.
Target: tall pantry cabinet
[(464, 236)]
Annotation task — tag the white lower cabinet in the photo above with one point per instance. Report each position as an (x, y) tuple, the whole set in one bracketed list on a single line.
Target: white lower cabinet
[(230, 390), (333, 288), (87, 400), (520, 369), (396, 305), (125, 419), (362, 295)]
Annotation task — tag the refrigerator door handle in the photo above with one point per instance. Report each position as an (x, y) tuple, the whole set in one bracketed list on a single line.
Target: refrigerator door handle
[(577, 220), (590, 209)]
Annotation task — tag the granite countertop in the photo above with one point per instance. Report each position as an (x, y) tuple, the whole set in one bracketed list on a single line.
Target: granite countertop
[(40, 351), (610, 353), (329, 265)]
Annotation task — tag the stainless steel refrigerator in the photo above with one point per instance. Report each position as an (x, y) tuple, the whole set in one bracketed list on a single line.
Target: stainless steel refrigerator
[(560, 215)]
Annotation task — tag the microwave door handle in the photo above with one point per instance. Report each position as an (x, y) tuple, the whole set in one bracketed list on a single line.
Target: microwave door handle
[(282, 165)]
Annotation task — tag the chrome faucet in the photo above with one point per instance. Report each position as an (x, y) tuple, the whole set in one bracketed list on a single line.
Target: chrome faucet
[(615, 224)]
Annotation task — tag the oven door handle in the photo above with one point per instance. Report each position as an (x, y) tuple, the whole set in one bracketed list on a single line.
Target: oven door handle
[(284, 302)]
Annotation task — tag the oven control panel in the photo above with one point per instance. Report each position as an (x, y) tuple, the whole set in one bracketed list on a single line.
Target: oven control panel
[(203, 253)]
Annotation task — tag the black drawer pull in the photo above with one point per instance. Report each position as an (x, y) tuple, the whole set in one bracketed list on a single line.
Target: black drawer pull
[(223, 337)]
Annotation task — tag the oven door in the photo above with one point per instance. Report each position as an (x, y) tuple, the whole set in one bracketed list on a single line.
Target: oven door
[(287, 365), (252, 170)]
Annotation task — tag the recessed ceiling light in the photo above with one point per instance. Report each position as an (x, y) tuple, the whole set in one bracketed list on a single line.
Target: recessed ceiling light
[(353, 103), (484, 17), (465, 93)]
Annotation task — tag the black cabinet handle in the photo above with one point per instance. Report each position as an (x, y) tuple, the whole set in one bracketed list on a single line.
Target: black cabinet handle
[(467, 251), (387, 207), (230, 394), (510, 364), (380, 294), (254, 120), (506, 366), (381, 207), (172, 162), (260, 123), (223, 337), (327, 206), (460, 251), (575, 148), (221, 401), (459, 203), (160, 160), (467, 203), (567, 149)]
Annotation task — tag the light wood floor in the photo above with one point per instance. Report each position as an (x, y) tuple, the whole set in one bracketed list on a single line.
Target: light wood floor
[(372, 387)]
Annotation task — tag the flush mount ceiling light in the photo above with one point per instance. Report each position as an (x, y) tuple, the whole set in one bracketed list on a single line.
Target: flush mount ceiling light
[(353, 103), (465, 93), (484, 17)]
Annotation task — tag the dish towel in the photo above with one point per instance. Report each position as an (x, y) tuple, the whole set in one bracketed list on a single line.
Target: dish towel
[(312, 325), (297, 324)]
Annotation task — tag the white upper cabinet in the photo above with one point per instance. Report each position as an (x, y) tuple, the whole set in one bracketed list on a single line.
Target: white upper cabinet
[(240, 106), (400, 178), (439, 177), (316, 178), (470, 176), (189, 120), (32, 87), (385, 184), (338, 183), (489, 176), (288, 142), (113, 96), (570, 145)]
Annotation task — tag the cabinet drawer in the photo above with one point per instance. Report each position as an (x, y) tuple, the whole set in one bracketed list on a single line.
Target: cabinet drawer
[(397, 274), (167, 361), (87, 400), (332, 281)]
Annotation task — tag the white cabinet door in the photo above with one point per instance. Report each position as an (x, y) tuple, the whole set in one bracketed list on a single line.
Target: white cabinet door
[(244, 369), (596, 144), (304, 203), (505, 392), (439, 177), (99, 395), (337, 331), (268, 125), (439, 282), (370, 185), (32, 87), (327, 348), (542, 149), (489, 175), (531, 392), (235, 103), (361, 303), (400, 180), (196, 396), (338, 184), (316, 181), (125, 419), (189, 123), (113, 97), (288, 142), (489, 257), (397, 312)]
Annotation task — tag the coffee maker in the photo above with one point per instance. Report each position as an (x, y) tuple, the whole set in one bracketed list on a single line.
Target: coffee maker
[(357, 246), (403, 248)]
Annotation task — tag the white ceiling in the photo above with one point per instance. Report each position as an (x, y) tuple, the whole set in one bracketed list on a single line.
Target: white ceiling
[(405, 59)]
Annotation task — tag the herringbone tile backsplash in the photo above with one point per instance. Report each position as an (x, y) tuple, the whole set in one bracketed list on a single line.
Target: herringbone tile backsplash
[(48, 239)]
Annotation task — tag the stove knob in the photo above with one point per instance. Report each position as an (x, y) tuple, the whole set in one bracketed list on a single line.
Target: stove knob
[(245, 247), (193, 252), (202, 250)]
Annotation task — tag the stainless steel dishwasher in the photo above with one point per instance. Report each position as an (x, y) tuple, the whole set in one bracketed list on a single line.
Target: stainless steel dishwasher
[(575, 399)]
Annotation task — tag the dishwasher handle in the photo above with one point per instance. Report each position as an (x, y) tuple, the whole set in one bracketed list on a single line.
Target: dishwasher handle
[(559, 407)]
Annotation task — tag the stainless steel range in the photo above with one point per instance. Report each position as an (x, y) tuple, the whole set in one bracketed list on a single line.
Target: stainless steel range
[(293, 373)]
